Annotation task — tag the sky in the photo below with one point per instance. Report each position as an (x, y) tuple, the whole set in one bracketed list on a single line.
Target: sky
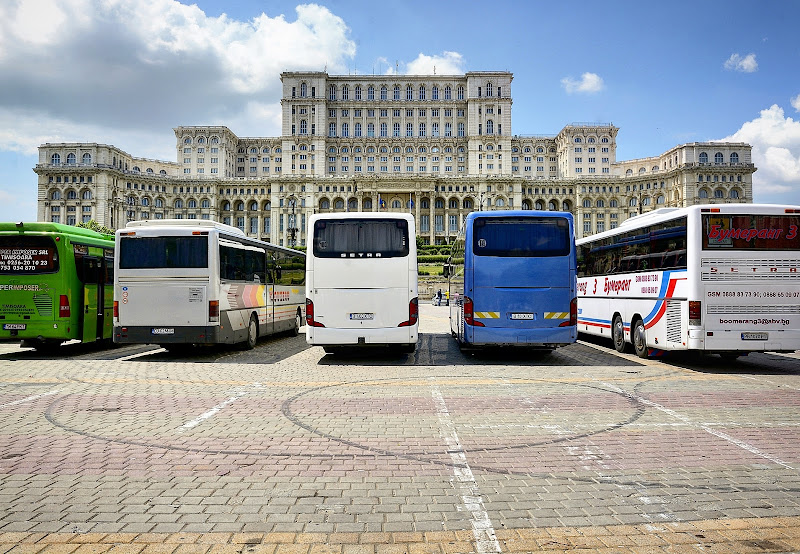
[(126, 72)]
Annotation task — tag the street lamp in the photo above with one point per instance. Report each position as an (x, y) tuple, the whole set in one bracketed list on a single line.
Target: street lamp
[(292, 228)]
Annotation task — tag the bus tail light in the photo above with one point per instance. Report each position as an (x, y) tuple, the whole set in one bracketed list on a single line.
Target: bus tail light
[(413, 314), (213, 310), (116, 309), (469, 314), (63, 306), (573, 314), (310, 314), (695, 313)]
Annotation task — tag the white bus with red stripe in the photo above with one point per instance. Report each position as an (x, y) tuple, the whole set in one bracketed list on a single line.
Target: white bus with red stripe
[(181, 282), (719, 279), (361, 281)]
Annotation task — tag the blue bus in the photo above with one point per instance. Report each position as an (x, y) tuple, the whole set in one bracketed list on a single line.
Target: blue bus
[(513, 280)]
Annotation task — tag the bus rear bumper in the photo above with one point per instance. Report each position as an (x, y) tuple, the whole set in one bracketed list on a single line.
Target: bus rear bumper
[(167, 335), (322, 336), (552, 337), (37, 330), (733, 341)]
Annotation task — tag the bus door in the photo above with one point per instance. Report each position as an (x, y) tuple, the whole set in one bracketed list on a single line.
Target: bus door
[(272, 277), (92, 275)]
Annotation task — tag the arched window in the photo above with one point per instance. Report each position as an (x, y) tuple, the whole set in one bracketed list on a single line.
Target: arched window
[(453, 204), (145, 201), (396, 92), (87, 158), (352, 204), (600, 204), (345, 130), (253, 206), (87, 195), (434, 93), (55, 195), (409, 92), (660, 199), (734, 193), (371, 93), (719, 193), (439, 204), (613, 203), (303, 90), (539, 205), (72, 195), (425, 204), (332, 92), (552, 206), (358, 130), (367, 205), (488, 89), (703, 158), (384, 93), (489, 127), (205, 203), (734, 158), (632, 202), (501, 203), (339, 204), (566, 206), (460, 92), (358, 92), (55, 159), (240, 206), (422, 92), (719, 158), (191, 204), (448, 93), (702, 193), (159, 202), (345, 92), (325, 205), (467, 204), (396, 204), (587, 203), (178, 203)]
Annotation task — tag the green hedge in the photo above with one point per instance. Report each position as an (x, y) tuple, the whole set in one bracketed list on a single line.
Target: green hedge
[(431, 259)]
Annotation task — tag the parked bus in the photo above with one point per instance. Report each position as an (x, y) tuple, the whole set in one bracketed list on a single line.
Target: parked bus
[(180, 282), (719, 279), (55, 284), (512, 280), (362, 281)]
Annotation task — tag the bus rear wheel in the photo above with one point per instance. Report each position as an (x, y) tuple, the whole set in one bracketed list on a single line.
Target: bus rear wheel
[(639, 339), (618, 335), (252, 334)]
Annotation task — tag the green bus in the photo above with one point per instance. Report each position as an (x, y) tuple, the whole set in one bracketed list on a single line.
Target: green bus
[(56, 284)]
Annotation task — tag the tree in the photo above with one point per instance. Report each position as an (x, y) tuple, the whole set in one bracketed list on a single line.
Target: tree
[(95, 226)]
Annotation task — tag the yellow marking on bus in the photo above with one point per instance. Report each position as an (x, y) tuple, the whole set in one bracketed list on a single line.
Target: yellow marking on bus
[(487, 315), (556, 315)]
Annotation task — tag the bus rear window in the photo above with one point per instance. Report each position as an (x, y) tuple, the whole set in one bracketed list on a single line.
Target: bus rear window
[(163, 252), (27, 255), (751, 232), (378, 238), (521, 236)]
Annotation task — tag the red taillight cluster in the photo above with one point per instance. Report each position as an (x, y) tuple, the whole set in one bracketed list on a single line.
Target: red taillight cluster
[(63, 306), (469, 313), (310, 314), (116, 309), (213, 310), (695, 312), (573, 314), (413, 314)]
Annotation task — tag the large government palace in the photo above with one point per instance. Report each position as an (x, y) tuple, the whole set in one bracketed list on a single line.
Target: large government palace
[(436, 146)]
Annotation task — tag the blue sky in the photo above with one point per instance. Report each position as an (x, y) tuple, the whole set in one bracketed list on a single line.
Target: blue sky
[(125, 72)]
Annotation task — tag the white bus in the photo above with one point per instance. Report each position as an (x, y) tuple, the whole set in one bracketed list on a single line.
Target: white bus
[(721, 278), (180, 282), (361, 281)]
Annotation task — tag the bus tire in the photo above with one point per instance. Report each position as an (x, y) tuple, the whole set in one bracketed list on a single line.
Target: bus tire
[(618, 335), (252, 334), (639, 339), (298, 321)]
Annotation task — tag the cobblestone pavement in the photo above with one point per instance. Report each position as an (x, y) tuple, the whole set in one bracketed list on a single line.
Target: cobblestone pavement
[(285, 449)]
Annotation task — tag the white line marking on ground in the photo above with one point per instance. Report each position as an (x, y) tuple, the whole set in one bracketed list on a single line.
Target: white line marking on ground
[(482, 529), (213, 411), (31, 398), (140, 354), (741, 444)]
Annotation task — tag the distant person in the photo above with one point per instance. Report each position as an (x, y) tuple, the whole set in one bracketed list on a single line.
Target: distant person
[(447, 296), (439, 297)]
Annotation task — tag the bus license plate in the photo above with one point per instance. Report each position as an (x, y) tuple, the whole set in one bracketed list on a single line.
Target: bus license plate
[(755, 336), (14, 326), (162, 331), (362, 316), (521, 316)]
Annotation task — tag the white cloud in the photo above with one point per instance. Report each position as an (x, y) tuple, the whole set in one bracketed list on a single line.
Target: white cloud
[(747, 64), (447, 63), (775, 139), (796, 103), (589, 83), (121, 69)]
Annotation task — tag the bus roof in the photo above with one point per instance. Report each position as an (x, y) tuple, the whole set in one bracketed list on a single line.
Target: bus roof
[(364, 215), (666, 214), (518, 213), (198, 223), (58, 228)]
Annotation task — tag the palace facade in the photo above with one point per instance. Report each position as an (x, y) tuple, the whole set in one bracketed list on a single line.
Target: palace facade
[(435, 146)]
